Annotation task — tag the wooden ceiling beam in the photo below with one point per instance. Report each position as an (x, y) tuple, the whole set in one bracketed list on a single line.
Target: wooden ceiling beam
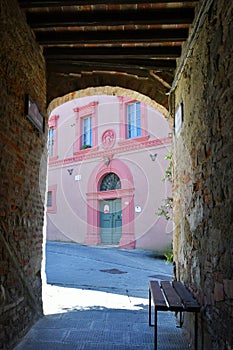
[(86, 40), (81, 68), (119, 36), (122, 52), (95, 18), (70, 65), (56, 3)]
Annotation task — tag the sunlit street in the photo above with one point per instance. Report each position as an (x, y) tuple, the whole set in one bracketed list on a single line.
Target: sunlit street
[(80, 278)]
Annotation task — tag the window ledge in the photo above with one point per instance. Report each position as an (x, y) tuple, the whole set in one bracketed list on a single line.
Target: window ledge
[(134, 139), (86, 150), (51, 210)]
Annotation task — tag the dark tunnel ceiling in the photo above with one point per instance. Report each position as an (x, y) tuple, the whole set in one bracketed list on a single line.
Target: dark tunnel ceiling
[(139, 38)]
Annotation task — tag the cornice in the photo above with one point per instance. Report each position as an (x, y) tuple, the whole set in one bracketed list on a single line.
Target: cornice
[(86, 109), (123, 147)]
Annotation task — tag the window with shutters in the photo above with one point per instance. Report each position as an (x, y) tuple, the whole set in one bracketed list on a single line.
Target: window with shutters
[(86, 132), (51, 199), (86, 122), (133, 120), (52, 137)]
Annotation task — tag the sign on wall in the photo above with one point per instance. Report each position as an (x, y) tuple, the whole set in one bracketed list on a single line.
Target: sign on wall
[(33, 114), (138, 209), (106, 209)]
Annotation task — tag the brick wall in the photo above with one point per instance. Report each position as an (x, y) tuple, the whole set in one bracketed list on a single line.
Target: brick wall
[(22, 176), (202, 186)]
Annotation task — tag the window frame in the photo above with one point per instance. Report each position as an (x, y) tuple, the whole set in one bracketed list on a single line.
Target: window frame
[(133, 128), (49, 199), (87, 131), (51, 141), (124, 103), (81, 113), (53, 208), (53, 125)]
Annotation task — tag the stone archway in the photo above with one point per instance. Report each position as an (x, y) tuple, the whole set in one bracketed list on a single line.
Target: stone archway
[(63, 85), (94, 196), (109, 90)]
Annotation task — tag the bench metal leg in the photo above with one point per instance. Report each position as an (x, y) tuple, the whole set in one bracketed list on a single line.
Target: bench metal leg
[(150, 324), (196, 332), (155, 330), (180, 316), (155, 321)]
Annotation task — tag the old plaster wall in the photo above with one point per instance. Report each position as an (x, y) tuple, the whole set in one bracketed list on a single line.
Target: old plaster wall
[(22, 176), (203, 244)]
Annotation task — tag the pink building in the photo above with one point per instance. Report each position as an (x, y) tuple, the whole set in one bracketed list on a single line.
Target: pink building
[(106, 158)]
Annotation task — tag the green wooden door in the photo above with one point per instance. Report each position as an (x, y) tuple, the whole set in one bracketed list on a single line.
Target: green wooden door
[(110, 221)]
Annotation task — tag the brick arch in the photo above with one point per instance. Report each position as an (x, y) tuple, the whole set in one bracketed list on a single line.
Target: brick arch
[(126, 193), (107, 90), (60, 85)]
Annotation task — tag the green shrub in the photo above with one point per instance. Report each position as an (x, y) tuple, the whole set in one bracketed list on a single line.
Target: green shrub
[(86, 146), (168, 253)]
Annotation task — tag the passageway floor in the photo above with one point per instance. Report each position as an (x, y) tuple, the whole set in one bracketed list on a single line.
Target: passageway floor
[(97, 298)]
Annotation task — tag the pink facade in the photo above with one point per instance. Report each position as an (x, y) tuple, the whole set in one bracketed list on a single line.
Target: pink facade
[(107, 161)]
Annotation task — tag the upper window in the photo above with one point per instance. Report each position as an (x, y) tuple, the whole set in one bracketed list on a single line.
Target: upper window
[(86, 132), (133, 120), (51, 142), (52, 137), (110, 182), (86, 126)]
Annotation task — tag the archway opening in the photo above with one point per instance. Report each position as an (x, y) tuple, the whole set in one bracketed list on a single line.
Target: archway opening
[(82, 170)]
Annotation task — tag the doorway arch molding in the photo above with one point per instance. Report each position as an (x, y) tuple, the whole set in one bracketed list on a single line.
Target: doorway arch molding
[(94, 196)]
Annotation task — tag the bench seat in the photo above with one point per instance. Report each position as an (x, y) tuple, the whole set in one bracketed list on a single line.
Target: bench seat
[(171, 296)]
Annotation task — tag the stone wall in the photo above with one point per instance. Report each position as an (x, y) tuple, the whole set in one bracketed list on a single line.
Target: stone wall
[(22, 176), (202, 189)]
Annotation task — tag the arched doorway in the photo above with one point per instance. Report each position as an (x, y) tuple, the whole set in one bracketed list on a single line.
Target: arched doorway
[(110, 205)]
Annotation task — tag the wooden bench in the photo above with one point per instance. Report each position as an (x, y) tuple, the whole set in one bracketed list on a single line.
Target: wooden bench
[(171, 296)]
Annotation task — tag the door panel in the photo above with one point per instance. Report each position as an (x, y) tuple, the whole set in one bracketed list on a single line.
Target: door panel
[(117, 221), (110, 221)]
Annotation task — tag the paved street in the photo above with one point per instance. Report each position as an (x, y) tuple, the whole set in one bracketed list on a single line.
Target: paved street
[(97, 298)]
